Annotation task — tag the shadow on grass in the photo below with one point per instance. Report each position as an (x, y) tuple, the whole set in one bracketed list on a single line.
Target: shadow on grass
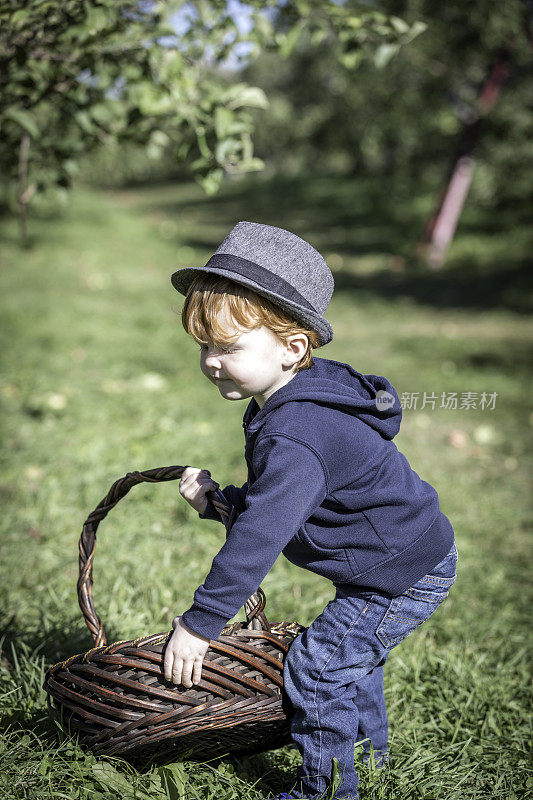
[(461, 285), (39, 722), (53, 642), (506, 356), (359, 217)]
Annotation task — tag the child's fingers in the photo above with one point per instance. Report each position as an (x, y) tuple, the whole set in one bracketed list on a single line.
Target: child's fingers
[(197, 670), (198, 492), (191, 476), (192, 471), (177, 669), (195, 484), (168, 663), (186, 673)]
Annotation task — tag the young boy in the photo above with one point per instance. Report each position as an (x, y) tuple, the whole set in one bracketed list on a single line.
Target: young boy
[(326, 486)]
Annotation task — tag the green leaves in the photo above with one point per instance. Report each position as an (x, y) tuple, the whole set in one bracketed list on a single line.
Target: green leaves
[(84, 121), (287, 41), (93, 73), (157, 143), (164, 783), (210, 182), (79, 75), (23, 119), (173, 781), (97, 20), (384, 53), (241, 95), (152, 100), (110, 778), (405, 33), (224, 122)]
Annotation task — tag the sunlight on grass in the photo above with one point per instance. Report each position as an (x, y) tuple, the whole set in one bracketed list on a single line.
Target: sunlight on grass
[(98, 379)]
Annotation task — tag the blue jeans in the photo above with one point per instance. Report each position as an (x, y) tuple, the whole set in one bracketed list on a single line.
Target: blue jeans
[(333, 676)]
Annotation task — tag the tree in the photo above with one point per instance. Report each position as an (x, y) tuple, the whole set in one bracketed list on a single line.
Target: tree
[(76, 75), (402, 122), (79, 74), (440, 228)]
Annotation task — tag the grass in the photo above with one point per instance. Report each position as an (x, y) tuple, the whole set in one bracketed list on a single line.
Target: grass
[(98, 378)]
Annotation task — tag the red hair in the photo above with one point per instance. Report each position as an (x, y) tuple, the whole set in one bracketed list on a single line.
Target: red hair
[(210, 294)]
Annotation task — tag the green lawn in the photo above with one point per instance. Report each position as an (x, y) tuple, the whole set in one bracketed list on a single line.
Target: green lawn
[(98, 378)]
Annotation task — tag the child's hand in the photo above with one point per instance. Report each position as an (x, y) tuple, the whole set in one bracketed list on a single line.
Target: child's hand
[(184, 655), (193, 486)]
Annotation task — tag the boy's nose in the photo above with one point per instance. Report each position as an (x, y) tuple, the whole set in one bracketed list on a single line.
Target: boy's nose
[(211, 360)]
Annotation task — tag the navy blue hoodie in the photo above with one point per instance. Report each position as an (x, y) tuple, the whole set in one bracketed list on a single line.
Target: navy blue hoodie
[(328, 488)]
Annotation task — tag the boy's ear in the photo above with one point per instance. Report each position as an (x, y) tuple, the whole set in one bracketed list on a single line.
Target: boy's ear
[(296, 348)]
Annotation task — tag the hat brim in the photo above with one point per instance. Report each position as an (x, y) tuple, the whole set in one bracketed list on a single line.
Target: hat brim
[(182, 279)]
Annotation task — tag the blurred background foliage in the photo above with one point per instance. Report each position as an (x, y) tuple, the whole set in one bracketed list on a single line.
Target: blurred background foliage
[(402, 121), (348, 117), (82, 77), (114, 93), (396, 115)]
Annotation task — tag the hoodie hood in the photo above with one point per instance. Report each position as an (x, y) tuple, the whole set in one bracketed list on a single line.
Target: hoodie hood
[(371, 398)]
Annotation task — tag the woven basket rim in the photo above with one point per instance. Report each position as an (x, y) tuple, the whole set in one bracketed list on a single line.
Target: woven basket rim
[(277, 628)]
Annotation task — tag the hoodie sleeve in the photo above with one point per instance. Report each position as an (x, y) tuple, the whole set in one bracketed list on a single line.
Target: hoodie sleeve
[(235, 495), (291, 484)]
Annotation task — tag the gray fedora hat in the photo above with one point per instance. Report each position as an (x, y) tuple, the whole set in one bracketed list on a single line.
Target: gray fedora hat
[(276, 264)]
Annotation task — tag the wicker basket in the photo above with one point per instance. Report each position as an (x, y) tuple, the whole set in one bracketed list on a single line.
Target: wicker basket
[(116, 697)]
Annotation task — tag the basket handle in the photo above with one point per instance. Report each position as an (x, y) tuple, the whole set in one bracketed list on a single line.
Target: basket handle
[(254, 606)]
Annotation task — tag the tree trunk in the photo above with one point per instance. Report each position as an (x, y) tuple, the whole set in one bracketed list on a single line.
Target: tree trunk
[(440, 229), (22, 187)]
